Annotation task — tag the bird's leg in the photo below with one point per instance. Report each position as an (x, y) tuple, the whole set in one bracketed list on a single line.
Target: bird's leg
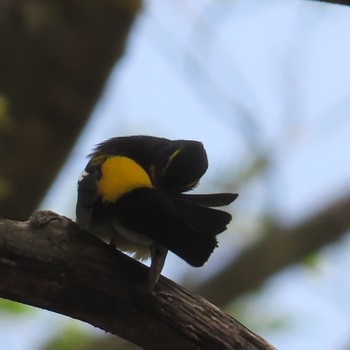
[(158, 255)]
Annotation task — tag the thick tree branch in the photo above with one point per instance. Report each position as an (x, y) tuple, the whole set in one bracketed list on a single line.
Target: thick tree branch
[(50, 263), (276, 250)]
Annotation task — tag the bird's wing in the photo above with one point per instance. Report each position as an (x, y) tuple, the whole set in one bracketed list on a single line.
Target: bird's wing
[(87, 196), (186, 228)]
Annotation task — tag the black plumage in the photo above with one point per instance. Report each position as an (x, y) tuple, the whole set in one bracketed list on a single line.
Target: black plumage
[(153, 215)]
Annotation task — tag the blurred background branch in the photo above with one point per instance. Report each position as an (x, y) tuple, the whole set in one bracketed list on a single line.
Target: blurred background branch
[(339, 2), (55, 59), (276, 250)]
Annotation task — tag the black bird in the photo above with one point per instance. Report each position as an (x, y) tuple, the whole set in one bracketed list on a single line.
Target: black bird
[(132, 194)]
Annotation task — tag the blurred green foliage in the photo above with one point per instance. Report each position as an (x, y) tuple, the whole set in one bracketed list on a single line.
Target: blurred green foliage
[(71, 337), (11, 307)]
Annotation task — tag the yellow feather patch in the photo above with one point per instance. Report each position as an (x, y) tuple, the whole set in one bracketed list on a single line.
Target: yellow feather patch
[(121, 175)]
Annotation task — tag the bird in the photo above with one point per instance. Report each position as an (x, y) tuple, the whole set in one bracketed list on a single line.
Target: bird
[(133, 193)]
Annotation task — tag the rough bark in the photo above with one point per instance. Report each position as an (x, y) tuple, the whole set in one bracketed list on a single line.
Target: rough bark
[(50, 263)]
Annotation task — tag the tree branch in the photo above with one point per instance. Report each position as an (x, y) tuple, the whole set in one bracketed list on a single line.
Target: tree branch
[(276, 250), (339, 2), (50, 263)]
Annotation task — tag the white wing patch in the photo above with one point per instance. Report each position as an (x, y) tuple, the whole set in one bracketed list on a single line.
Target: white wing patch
[(82, 175)]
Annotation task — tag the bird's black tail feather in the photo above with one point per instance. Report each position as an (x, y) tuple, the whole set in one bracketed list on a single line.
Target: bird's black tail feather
[(210, 200), (179, 223), (201, 225)]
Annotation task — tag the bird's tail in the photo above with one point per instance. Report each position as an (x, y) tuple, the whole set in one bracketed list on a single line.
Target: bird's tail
[(202, 224)]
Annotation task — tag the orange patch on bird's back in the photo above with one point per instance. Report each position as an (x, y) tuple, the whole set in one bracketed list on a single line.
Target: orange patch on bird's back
[(121, 175)]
